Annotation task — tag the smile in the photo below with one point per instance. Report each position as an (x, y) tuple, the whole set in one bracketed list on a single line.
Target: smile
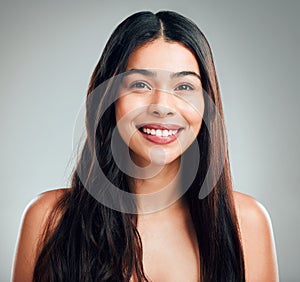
[(160, 134)]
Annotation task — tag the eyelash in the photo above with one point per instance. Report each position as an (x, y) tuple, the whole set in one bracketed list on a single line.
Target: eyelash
[(190, 88), (143, 85), (139, 84)]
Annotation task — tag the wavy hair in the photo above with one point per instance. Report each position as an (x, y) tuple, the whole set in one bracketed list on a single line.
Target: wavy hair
[(87, 241)]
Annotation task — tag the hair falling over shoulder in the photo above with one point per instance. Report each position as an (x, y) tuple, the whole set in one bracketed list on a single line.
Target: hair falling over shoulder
[(91, 242)]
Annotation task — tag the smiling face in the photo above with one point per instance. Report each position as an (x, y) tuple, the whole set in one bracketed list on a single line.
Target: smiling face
[(160, 108)]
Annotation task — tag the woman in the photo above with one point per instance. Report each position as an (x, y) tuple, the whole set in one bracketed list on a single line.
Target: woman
[(174, 215)]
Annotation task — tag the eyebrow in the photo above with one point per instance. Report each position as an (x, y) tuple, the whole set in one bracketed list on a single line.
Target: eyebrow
[(140, 71), (184, 73), (153, 73)]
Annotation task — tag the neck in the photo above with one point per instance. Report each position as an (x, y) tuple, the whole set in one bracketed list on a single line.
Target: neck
[(159, 191)]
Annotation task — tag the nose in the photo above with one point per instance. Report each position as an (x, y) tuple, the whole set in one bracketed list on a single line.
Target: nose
[(161, 105)]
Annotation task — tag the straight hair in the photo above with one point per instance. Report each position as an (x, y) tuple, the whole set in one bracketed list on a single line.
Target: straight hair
[(88, 241)]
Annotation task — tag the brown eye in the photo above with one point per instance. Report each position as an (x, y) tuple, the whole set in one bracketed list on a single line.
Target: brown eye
[(184, 87), (139, 85)]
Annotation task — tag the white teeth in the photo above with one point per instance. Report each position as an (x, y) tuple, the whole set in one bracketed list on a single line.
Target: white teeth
[(159, 132)]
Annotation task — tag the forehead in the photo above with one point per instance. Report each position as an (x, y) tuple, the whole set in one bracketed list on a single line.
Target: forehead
[(159, 54)]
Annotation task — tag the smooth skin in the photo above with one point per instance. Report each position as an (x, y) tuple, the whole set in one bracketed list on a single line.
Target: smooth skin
[(255, 225), (170, 251)]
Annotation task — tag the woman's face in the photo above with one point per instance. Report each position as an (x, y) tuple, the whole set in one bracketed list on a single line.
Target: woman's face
[(160, 108)]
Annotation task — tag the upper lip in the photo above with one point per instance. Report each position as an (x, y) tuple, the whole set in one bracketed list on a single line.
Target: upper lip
[(160, 126)]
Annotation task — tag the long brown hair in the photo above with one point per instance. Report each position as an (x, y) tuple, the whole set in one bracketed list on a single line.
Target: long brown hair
[(93, 242)]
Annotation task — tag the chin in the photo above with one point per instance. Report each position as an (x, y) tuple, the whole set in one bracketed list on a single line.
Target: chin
[(164, 160), (156, 156)]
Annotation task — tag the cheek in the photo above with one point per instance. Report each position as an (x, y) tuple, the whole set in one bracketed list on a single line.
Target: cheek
[(127, 108), (193, 115), (125, 105), (121, 108), (195, 120)]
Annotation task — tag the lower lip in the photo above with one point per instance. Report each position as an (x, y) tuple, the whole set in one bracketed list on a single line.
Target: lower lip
[(160, 139)]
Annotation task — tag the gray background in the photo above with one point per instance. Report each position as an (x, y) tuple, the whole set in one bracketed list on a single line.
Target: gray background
[(49, 49)]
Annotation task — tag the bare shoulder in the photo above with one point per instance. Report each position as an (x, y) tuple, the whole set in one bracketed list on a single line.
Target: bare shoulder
[(32, 227), (257, 238), (252, 215), (45, 201), (248, 208), (38, 210)]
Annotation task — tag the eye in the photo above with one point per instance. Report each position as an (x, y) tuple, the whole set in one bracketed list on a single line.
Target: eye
[(184, 87), (139, 85)]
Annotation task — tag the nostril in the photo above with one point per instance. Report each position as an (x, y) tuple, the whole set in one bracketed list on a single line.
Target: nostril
[(159, 110)]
